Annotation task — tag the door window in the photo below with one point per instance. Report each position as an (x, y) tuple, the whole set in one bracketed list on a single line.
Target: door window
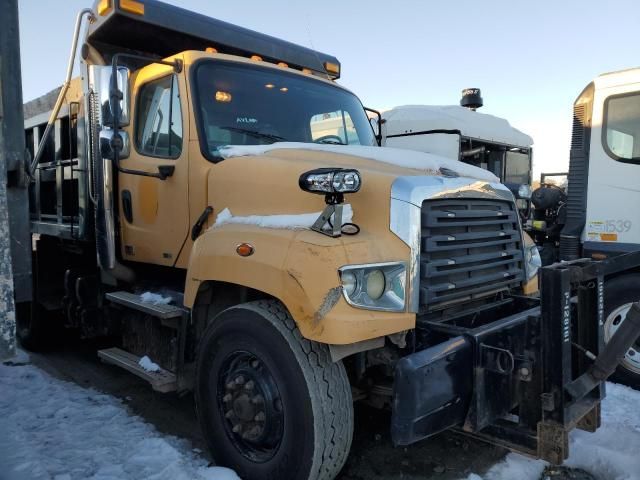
[(159, 119), (621, 129)]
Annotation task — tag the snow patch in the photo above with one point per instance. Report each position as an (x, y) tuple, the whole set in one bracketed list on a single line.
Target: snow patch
[(289, 222), (155, 299), (611, 452), (146, 363), (52, 429), (426, 162)]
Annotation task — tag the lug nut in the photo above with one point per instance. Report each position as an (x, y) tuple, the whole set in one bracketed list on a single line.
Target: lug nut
[(230, 386), (249, 385), (255, 431), (237, 428), (227, 398), (257, 399), (259, 417), (240, 380), (229, 414), (255, 364)]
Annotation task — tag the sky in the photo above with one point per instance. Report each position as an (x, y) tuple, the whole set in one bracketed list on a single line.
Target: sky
[(531, 59)]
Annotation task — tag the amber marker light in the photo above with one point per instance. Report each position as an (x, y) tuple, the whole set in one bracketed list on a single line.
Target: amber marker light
[(211, 50), (256, 58), (224, 97), (132, 6), (332, 68), (269, 85), (245, 250), (104, 7), (283, 65)]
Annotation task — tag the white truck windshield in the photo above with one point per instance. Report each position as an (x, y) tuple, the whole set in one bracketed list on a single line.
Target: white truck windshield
[(252, 105)]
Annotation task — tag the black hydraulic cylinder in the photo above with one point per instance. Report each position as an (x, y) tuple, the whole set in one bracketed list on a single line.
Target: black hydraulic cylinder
[(615, 350), (611, 356)]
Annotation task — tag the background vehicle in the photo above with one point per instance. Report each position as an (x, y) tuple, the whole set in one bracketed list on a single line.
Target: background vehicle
[(462, 133), (596, 217), (191, 205)]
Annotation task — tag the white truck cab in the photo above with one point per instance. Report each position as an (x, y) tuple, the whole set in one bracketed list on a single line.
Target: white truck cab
[(464, 134)]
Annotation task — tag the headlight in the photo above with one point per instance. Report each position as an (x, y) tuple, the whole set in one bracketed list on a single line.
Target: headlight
[(533, 262), (524, 191), (379, 286), (330, 180)]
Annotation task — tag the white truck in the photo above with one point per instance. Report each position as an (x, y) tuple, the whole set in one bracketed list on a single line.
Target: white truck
[(597, 216), (462, 133)]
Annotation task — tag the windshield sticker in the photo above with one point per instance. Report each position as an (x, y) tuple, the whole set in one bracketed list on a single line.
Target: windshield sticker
[(246, 120)]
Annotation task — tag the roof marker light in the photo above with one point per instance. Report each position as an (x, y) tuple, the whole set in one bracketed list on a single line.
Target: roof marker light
[(256, 58), (132, 6), (283, 65), (332, 68), (211, 50), (104, 7)]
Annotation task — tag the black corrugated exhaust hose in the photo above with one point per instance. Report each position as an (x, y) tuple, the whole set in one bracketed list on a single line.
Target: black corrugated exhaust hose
[(615, 350), (610, 357)]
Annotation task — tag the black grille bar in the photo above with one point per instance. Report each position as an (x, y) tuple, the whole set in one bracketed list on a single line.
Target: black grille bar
[(471, 248)]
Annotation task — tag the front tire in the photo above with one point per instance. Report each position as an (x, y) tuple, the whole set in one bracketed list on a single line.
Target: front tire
[(620, 293), (271, 404)]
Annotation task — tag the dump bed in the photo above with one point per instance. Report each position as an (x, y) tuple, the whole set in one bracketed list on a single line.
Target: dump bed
[(57, 197), (158, 29)]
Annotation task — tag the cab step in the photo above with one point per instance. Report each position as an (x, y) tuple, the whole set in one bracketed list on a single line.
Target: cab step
[(131, 300), (161, 381)]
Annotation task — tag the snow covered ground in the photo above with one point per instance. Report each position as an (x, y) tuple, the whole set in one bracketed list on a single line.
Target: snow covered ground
[(612, 453), (51, 429)]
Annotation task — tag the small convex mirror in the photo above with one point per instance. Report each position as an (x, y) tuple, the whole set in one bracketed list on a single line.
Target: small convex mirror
[(110, 141)]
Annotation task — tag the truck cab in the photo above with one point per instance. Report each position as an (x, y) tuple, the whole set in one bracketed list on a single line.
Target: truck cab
[(589, 216), (472, 137), (212, 199)]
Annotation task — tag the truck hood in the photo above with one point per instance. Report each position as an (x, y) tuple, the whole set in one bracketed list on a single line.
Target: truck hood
[(424, 163), (262, 180)]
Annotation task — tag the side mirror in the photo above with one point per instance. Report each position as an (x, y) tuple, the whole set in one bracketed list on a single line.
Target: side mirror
[(118, 98), (376, 122), (110, 141)]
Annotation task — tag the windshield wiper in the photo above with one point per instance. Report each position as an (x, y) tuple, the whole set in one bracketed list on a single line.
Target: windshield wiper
[(253, 133)]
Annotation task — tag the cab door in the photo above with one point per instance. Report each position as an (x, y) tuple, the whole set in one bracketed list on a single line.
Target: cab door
[(154, 213), (613, 221)]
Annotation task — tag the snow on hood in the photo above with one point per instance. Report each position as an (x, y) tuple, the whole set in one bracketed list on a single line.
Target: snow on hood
[(427, 162), (417, 118), (289, 222)]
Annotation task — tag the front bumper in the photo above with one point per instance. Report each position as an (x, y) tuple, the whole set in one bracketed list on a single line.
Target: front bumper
[(522, 381)]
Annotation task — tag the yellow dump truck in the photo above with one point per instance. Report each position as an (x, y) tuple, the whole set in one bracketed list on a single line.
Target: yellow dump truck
[(214, 203)]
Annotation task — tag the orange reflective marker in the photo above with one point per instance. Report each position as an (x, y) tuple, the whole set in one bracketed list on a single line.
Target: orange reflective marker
[(245, 250)]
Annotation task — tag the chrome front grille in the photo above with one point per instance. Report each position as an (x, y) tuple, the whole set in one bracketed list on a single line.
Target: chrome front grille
[(470, 248)]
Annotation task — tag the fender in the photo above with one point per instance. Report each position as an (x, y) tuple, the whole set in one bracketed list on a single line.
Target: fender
[(299, 268)]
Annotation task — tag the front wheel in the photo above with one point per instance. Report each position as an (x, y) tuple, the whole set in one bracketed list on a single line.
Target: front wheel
[(620, 293), (271, 404)]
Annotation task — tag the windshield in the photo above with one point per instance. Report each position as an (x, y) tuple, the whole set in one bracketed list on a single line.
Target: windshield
[(250, 105)]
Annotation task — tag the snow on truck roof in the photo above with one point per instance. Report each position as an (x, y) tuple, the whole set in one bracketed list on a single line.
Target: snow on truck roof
[(429, 163), (481, 126)]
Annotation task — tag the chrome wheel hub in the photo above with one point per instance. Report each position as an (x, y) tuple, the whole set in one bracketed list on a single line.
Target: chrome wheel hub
[(613, 321)]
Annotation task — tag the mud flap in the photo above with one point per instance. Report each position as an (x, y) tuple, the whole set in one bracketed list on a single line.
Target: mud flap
[(431, 390)]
